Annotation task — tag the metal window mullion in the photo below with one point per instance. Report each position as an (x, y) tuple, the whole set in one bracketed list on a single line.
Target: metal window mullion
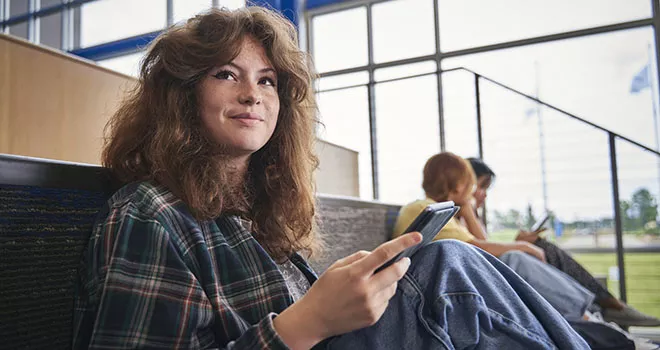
[(170, 13), (309, 39), (618, 226), (438, 62), (480, 138), (371, 93), (477, 98), (33, 25), (656, 33), (65, 40), (76, 24), (4, 14)]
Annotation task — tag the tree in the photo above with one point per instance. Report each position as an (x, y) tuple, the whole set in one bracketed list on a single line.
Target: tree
[(627, 216), (641, 210), (510, 219), (645, 206)]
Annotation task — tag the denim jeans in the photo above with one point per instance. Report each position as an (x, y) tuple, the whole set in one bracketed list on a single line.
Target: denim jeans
[(455, 296), (564, 293)]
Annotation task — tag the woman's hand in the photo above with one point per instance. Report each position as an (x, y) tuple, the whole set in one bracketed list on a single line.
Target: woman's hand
[(529, 236), (348, 296), (531, 250), (466, 208)]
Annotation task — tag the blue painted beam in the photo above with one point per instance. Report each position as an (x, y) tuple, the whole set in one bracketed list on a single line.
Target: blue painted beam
[(116, 48), (313, 4), (289, 8)]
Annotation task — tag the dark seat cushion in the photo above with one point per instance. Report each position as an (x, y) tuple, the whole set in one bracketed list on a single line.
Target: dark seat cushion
[(42, 234)]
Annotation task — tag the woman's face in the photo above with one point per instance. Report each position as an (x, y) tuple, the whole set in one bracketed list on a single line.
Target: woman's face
[(483, 183), (239, 103)]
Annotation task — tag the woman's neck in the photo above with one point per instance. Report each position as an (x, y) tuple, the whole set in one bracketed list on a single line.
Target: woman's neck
[(237, 169)]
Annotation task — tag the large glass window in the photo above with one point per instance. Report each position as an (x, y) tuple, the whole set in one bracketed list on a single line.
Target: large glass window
[(340, 40), (345, 117), (405, 70), (184, 9), (109, 20), (341, 81), (471, 23), (460, 114), (403, 29), (50, 27), (17, 8), (127, 64), (407, 131)]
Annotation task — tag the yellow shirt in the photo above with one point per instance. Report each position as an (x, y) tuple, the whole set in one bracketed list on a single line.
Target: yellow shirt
[(409, 212)]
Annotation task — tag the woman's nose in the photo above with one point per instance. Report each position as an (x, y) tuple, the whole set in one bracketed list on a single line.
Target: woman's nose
[(249, 94)]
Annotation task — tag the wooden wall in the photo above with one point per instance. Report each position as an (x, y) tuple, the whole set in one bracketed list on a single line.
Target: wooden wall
[(54, 105)]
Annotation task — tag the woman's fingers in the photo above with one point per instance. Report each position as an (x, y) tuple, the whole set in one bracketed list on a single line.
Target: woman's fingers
[(350, 259), (387, 251), (390, 275)]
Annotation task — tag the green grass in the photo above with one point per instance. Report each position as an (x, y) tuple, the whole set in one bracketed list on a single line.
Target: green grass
[(642, 277), (642, 273), (507, 235)]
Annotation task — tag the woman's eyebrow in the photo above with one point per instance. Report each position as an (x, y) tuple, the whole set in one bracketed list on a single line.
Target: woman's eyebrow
[(262, 70)]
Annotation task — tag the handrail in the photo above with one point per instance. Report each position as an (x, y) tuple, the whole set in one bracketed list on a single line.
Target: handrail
[(612, 136), (502, 85), (646, 148)]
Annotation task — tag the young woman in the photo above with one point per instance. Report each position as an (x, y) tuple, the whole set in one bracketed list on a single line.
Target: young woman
[(448, 177), (613, 309), (200, 248)]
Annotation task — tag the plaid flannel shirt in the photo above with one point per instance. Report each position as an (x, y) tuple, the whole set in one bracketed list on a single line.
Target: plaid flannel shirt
[(154, 277)]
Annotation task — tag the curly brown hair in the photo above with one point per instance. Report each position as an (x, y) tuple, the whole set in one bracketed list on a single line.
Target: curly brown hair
[(444, 173), (157, 133)]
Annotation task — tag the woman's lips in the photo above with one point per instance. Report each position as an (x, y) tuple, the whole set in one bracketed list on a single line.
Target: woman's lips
[(248, 119)]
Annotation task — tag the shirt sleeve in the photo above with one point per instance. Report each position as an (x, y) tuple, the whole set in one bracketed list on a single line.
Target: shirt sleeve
[(149, 298), (454, 230)]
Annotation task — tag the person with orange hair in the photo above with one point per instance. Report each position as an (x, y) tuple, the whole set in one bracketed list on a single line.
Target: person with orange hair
[(448, 177)]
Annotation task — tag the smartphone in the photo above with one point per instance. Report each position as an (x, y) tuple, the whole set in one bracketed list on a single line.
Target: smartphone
[(429, 222), (539, 223)]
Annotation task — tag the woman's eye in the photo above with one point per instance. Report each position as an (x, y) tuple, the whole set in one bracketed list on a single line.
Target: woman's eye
[(224, 75), (267, 81)]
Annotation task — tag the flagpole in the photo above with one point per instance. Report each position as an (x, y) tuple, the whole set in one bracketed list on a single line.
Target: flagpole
[(654, 95), (541, 136)]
